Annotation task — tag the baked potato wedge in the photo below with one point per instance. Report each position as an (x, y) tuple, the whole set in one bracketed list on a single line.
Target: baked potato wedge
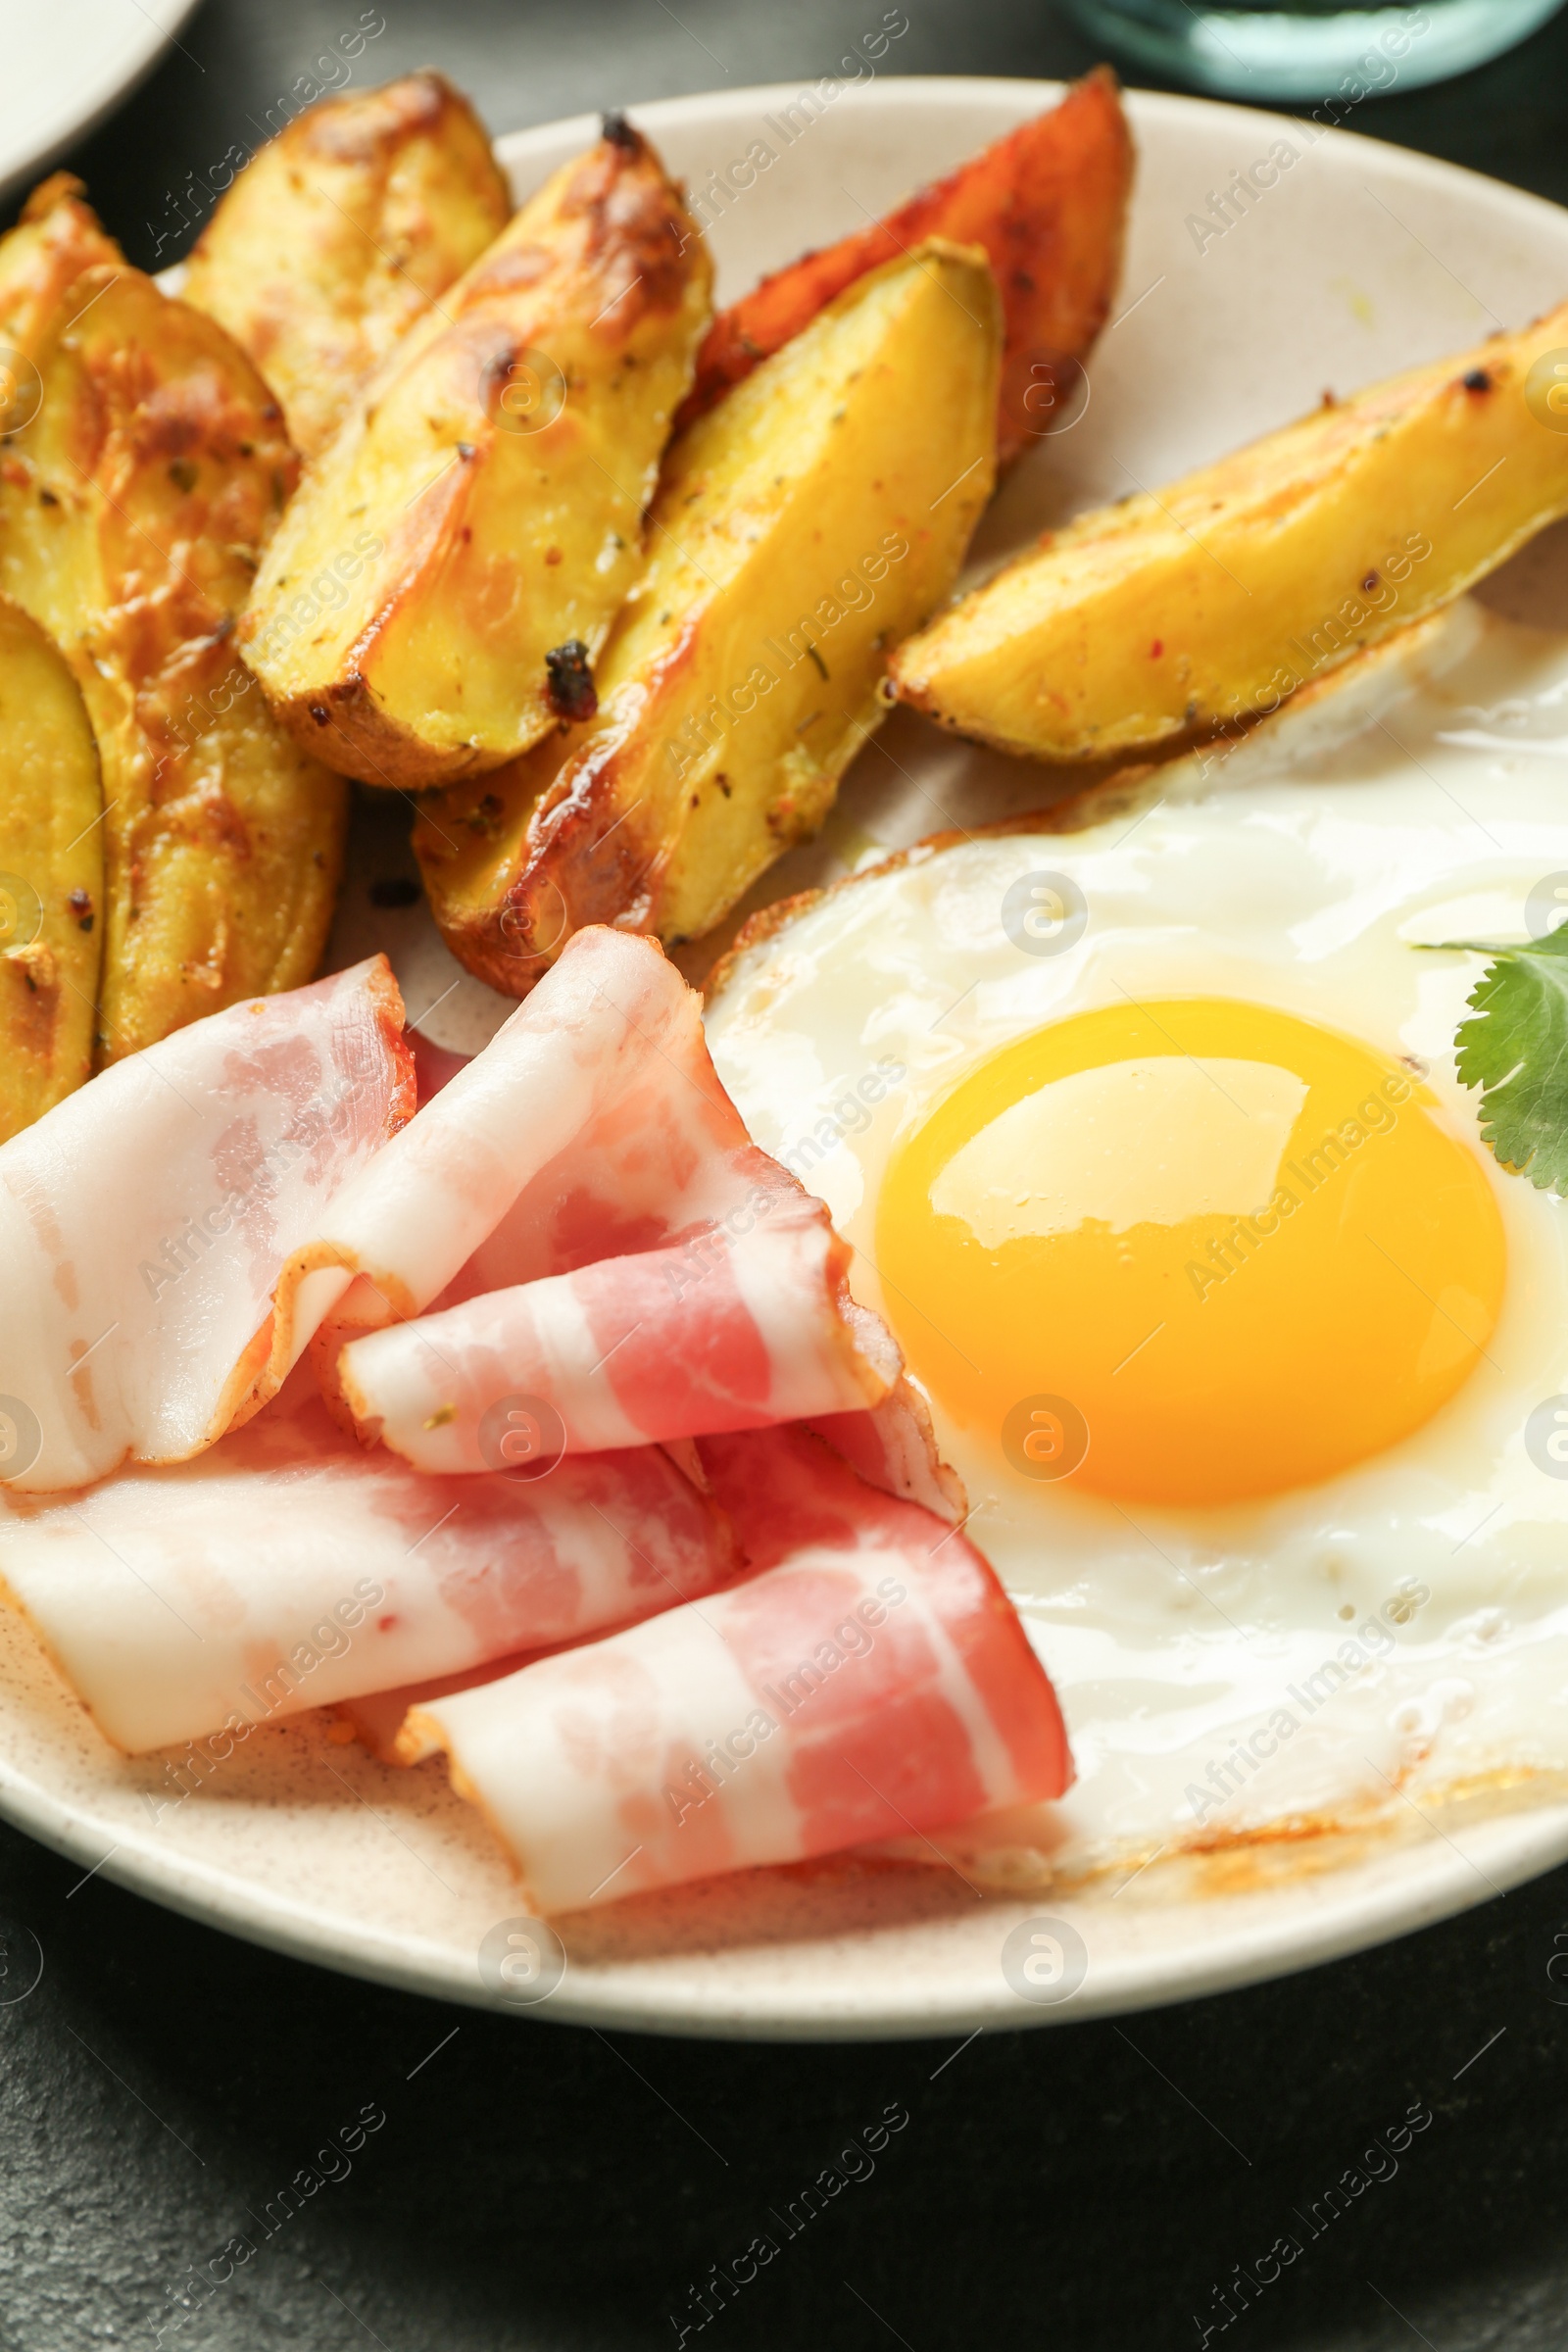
[(51, 875), (340, 232), (1211, 600), (1049, 203), (802, 526), (145, 466), (502, 459)]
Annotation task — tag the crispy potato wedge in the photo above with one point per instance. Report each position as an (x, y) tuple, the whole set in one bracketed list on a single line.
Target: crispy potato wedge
[(1218, 597), (51, 875), (500, 465), (803, 527), (340, 232), (1049, 203), (145, 466)]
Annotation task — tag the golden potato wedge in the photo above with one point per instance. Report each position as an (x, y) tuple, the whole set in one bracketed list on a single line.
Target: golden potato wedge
[(503, 458), (51, 875), (802, 526), (340, 232), (145, 466), (1222, 594)]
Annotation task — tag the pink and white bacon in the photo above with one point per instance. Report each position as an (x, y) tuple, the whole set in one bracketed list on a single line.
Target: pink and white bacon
[(658, 1279), (672, 1342), (577, 1218), (869, 1681), (144, 1220)]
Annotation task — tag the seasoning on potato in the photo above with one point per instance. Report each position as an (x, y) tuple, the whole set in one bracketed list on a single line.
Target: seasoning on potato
[(1048, 202), (340, 232), (1216, 597), (51, 875), (803, 527), (502, 461), (145, 466)]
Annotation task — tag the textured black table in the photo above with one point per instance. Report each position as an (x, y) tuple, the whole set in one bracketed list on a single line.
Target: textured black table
[(534, 2186)]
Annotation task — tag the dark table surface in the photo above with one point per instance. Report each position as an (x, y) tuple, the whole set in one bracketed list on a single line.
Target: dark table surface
[(534, 2186)]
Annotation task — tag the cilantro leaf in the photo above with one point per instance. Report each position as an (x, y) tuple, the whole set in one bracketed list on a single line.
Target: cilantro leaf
[(1516, 1051)]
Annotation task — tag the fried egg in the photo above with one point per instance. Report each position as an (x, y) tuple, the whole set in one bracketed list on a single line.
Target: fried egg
[(1149, 1143)]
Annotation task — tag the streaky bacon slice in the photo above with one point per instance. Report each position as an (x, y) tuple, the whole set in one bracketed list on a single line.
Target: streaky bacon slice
[(287, 1567), (894, 1447), (872, 1680), (665, 1162), (661, 1162), (145, 1219), (662, 1154), (710, 1335), (1049, 203), (593, 1123)]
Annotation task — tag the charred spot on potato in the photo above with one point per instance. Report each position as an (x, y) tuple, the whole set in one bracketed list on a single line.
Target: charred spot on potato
[(47, 497), (395, 889), (1476, 379), (618, 132), (1369, 583), (81, 903), (487, 818), (724, 785), (182, 473), (320, 714), (569, 688)]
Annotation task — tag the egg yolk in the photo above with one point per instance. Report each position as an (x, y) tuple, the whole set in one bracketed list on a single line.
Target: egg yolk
[(1190, 1251)]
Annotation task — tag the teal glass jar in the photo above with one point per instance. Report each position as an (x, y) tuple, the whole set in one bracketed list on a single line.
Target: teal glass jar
[(1308, 48)]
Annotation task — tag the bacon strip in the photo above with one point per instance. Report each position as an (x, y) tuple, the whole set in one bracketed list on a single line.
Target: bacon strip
[(893, 1448), (872, 1680), (287, 1568), (593, 1123), (144, 1220), (716, 1334), (662, 1150)]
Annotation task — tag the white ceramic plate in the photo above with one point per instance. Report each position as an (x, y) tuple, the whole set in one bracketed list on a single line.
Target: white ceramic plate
[(66, 65), (1361, 260)]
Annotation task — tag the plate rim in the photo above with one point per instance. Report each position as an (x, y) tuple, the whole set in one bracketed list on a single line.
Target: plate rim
[(1514, 1847), (893, 89)]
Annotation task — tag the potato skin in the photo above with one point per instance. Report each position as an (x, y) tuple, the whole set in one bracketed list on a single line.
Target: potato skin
[(1048, 203), (134, 505), (806, 523), (504, 458), (51, 875), (1212, 601), (340, 232)]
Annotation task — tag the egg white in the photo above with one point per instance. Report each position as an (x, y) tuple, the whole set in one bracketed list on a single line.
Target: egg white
[(1212, 1663)]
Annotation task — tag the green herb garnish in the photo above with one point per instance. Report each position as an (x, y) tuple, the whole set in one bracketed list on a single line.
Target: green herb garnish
[(1516, 1051)]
